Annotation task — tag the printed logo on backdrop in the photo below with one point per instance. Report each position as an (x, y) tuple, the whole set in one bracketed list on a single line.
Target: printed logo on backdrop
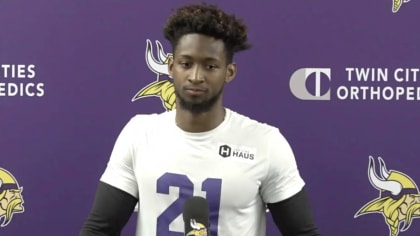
[(396, 4), (361, 84), (398, 201), (19, 80), (11, 201), (162, 86)]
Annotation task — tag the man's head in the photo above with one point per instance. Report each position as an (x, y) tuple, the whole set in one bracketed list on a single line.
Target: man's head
[(211, 21), (204, 40)]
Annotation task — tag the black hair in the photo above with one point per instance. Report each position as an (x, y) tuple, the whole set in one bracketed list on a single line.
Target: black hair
[(211, 21)]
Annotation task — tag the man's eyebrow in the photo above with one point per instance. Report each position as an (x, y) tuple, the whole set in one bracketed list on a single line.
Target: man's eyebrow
[(211, 59), (184, 56)]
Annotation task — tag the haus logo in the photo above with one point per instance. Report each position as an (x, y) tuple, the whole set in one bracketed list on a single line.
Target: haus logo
[(373, 84), (244, 153)]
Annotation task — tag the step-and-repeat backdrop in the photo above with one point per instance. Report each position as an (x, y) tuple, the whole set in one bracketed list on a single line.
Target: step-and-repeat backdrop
[(341, 79)]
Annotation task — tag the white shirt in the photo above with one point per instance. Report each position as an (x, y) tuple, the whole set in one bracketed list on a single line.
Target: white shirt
[(238, 167)]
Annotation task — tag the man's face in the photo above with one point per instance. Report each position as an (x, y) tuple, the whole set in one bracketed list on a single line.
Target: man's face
[(200, 70)]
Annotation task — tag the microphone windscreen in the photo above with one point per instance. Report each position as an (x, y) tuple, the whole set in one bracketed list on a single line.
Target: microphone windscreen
[(196, 217)]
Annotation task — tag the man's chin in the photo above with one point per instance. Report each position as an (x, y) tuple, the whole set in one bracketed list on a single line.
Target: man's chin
[(195, 100), (193, 104), (196, 104)]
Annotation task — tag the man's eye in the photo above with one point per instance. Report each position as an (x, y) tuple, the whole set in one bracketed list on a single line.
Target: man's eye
[(211, 66), (184, 64)]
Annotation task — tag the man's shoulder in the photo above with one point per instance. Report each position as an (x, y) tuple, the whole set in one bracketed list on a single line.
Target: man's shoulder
[(249, 124), (150, 120), (151, 117)]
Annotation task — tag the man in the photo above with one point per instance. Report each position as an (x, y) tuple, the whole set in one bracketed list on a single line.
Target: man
[(203, 149)]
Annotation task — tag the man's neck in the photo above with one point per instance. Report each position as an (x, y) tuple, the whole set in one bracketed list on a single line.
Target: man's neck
[(201, 122)]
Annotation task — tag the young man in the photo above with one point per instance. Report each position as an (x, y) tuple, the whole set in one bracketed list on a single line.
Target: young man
[(203, 149)]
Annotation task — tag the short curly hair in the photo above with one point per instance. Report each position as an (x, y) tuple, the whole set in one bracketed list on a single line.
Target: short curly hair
[(211, 21)]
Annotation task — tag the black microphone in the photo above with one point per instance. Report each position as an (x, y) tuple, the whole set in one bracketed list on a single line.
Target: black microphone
[(196, 217)]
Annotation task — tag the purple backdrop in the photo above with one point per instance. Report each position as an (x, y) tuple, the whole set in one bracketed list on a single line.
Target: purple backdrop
[(83, 61)]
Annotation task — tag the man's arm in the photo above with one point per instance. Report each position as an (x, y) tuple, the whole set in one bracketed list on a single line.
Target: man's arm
[(111, 210), (293, 216)]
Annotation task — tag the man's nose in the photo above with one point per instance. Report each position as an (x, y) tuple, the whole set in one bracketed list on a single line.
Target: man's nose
[(196, 75)]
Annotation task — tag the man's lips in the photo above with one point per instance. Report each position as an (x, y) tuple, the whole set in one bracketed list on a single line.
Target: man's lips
[(195, 90)]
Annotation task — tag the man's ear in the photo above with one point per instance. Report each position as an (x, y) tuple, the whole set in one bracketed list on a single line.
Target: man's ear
[(170, 65), (230, 72)]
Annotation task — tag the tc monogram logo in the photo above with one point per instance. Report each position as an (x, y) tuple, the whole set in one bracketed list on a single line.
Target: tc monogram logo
[(298, 83)]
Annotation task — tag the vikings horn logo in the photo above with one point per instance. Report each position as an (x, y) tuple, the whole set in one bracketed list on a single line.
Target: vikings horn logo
[(198, 229), (396, 4), (10, 197), (398, 201), (162, 88)]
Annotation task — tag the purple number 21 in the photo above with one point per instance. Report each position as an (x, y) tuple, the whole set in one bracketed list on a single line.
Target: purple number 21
[(211, 186)]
